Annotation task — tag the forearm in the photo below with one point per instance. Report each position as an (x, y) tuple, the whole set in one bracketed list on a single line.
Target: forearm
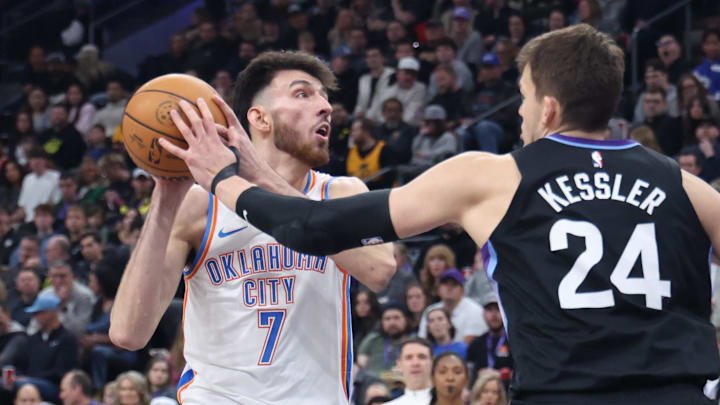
[(373, 266), (148, 283)]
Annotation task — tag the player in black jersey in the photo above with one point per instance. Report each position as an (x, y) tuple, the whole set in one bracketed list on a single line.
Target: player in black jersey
[(599, 248)]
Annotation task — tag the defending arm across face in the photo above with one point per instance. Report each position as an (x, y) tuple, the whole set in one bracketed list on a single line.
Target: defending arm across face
[(319, 227)]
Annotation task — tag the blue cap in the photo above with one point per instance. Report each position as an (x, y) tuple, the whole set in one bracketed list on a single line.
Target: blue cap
[(454, 275), (490, 58), (461, 13), (44, 302)]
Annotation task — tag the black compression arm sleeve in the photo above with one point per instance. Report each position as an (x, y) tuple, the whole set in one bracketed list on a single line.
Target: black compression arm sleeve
[(319, 227)]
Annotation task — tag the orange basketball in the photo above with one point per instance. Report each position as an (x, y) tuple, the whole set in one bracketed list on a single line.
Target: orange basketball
[(147, 119)]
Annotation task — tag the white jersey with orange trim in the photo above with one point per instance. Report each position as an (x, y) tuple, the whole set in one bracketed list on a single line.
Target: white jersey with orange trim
[(264, 324)]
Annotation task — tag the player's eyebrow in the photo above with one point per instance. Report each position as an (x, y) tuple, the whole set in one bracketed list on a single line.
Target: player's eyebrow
[(302, 82)]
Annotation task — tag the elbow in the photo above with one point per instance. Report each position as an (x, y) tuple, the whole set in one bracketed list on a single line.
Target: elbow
[(126, 339)]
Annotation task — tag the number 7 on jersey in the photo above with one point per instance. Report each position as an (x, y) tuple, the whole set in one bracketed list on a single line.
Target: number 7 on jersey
[(273, 321)]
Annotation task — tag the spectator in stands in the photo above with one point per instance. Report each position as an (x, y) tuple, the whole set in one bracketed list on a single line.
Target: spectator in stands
[(707, 134), (708, 71), (57, 247), (403, 277), (109, 393), (440, 332), (556, 19), (347, 80), (507, 51), (11, 184), (517, 29), (696, 111), (492, 21), (431, 145), (449, 378), (690, 87), (92, 71), (691, 159), (92, 186), (58, 75), (223, 84), (110, 116), (379, 350), (76, 300), (306, 43), (95, 341), (446, 54), (52, 351), (365, 315), (76, 389), (408, 90), (395, 34), (35, 70), (132, 389), (589, 12), (656, 76), (209, 54), (114, 169), (8, 235), (92, 252), (667, 129), (416, 300), (488, 390), (491, 350), (438, 258), (469, 41), (465, 314), (38, 107), (373, 85), (397, 134), (81, 112), (62, 142), (22, 137), (645, 136), (142, 185), (13, 340), (27, 287), (75, 227), (69, 188), (369, 159), (414, 363), (28, 394), (246, 23), (339, 35), (27, 254), (670, 54), (158, 377)]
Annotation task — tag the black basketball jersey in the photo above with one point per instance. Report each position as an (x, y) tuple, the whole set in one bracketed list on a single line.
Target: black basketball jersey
[(602, 271)]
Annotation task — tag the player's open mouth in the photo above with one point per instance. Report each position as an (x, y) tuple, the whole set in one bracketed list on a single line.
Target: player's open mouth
[(323, 130)]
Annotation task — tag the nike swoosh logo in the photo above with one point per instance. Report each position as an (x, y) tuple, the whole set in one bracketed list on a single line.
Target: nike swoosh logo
[(223, 234)]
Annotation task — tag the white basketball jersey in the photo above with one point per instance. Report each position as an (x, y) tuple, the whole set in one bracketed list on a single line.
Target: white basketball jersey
[(264, 324)]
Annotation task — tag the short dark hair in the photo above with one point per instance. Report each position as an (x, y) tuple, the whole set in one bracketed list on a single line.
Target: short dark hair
[(445, 41), (657, 90), (94, 235), (43, 208), (415, 340), (81, 378), (655, 64), (693, 151), (262, 70), (710, 31), (392, 100), (581, 67)]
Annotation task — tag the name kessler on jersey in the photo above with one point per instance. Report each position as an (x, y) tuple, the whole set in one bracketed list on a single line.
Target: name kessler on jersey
[(566, 190)]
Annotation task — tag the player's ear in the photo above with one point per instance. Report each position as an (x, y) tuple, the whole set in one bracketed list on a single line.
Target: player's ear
[(259, 118), (550, 112)]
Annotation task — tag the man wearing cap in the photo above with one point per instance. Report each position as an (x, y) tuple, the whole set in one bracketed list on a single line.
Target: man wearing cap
[(408, 90), (469, 41), (467, 315), (431, 145), (379, 351), (52, 351), (492, 349), (142, 185)]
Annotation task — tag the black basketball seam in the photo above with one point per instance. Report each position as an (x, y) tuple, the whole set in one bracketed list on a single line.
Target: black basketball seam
[(153, 129), (167, 92), (152, 165)]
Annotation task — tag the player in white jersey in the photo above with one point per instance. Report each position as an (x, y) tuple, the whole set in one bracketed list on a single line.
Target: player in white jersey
[(263, 324)]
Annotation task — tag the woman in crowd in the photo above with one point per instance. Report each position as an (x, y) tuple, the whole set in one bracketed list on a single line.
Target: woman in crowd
[(488, 390), (365, 316), (11, 180), (440, 332), (158, 376), (449, 377), (416, 300), (132, 389), (437, 259), (80, 111), (37, 106)]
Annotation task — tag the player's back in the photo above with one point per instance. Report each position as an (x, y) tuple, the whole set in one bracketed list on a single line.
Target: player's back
[(602, 272), (264, 324)]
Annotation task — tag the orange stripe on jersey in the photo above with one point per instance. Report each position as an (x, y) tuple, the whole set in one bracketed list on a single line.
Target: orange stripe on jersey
[(322, 190), (345, 338), (312, 180), (209, 238)]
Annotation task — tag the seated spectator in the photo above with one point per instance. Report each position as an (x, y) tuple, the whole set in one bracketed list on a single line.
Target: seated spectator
[(416, 301), (57, 248), (76, 389), (466, 315), (691, 159), (507, 51), (76, 226), (109, 393), (52, 351), (369, 159), (556, 19), (431, 145), (379, 350), (656, 77), (69, 188), (517, 29), (81, 112), (696, 111), (469, 41), (411, 92), (11, 181), (488, 390), (707, 134), (365, 315), (92, 184), (491, 350), (414, 363), (708, 71), (110, 116), (449, 95), (41, 226), (373, 85), (91, 70), (28, 394), (38, 106), (97, 142), (40, 186), (670, 54), (27, 287), (446, 54), (13, 340), (690, 87), (667, 129), (132, 389), (397, 134), (26, 255), (449, 378), (158, 377), (76, 300), (8, 236), (437, 259), (440, 333)]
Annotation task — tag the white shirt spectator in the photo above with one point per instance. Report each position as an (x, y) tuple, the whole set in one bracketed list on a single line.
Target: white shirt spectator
[(467, 318), (369, 100), (419, 397), (110, 116), (39, 189)]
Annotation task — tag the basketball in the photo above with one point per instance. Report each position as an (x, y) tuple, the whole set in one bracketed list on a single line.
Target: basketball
[(147, 119)]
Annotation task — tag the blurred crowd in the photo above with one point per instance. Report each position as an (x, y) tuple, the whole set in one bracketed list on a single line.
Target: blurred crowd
[(419, 81)]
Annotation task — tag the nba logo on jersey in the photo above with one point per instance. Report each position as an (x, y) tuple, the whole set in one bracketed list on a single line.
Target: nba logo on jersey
[(597, 159)]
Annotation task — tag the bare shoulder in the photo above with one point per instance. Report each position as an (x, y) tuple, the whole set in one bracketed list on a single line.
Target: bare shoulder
[(191, 218), (345, 186)]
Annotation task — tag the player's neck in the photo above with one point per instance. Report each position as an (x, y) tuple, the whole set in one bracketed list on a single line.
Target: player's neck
[(597, 135), (289, 168)]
